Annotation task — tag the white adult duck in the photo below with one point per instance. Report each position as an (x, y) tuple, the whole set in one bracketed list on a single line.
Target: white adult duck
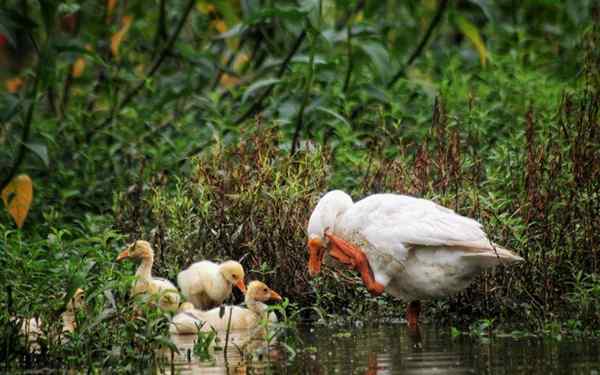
[(412, 248), (207, 284), (189, 319), (168, 299)]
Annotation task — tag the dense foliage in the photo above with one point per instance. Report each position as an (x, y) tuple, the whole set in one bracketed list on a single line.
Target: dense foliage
[(211, 129)]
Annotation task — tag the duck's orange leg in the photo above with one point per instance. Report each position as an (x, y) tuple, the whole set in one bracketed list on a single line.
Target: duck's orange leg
[(354, 257), (412, 313)]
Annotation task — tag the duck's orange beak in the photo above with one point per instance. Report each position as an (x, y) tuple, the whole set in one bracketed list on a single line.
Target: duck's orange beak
[(241, 286), (124, 254), (275, 296), (316, 250)]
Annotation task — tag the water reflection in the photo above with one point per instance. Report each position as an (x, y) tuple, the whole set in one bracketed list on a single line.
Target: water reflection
[(394, 349)]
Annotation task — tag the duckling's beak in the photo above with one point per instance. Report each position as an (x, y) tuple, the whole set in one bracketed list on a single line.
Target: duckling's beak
[(241, 286), (124, 254), (275, 296), (316, 250)]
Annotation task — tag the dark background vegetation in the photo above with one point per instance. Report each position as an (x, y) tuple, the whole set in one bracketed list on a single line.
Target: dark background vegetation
[(212, 128)]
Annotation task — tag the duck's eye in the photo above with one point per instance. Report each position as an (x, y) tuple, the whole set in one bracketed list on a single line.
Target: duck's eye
[(234, 276), (265, 290)]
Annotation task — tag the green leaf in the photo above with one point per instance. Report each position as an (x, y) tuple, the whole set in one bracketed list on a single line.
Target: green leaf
[(258, 85), (333, 113), (472, 33), (40, 150), (378, 55), (487, 7), (9, 106)]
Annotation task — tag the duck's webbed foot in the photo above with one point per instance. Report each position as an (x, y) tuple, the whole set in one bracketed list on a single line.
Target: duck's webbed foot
[(354, 257)]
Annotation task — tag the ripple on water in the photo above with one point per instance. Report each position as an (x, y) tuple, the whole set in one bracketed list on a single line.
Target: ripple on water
[(394, 349)]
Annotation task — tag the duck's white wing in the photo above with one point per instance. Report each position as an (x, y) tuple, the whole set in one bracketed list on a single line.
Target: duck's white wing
[(393, 223)]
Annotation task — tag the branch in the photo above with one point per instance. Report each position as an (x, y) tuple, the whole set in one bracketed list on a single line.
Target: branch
[(441, 9), (131, 94), (442, 5), (257, 106)]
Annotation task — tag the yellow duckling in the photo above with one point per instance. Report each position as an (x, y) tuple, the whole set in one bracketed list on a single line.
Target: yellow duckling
[(33, 326), (190, 319), (207, 284), (146, 283)]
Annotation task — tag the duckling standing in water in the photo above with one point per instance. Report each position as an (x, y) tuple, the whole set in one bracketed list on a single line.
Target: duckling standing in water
[(207, 284), (189, 319), (146, 283)]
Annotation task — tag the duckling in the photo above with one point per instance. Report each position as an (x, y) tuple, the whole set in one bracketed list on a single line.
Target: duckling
[(190, 319), (146, 283), (187, 319), (33, 326), (74, 304), (207, 284)]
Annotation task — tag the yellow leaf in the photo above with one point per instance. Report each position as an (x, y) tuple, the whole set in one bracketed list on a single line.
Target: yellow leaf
[(240, 60), (79, 64), (219, 25), (206, 8), (471, 32), (228, 80), (117, 38), (13, 84), (17, 197), (78, 67)]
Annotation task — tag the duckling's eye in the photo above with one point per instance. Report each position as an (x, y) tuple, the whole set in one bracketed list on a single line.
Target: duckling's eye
[(265, 290), (234, 276)]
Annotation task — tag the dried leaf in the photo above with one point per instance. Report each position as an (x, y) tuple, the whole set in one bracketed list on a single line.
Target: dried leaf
[(110, 7), (17, 197), (228, 80), (117, 38), (205, 8), (219, 25), (13, 84), (78, 67)]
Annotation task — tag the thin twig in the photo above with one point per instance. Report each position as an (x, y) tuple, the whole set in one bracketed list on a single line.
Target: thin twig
[(257, 106), (442, 5), (131, 94), (161, 29), (227, 333), (441, 9), (349, 54), (359, 6)]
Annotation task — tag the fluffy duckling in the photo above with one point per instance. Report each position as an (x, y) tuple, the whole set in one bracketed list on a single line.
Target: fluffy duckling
[(207, 284), (33, 326), (189, 318), (146, 283), (74, 304)]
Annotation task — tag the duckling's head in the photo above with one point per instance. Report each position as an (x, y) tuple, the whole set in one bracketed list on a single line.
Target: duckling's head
[(186, 306), (138, 250), (233, 272), (259, 291)]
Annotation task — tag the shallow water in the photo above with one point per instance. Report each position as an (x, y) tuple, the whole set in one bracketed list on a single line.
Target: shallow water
[(394, 349)]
